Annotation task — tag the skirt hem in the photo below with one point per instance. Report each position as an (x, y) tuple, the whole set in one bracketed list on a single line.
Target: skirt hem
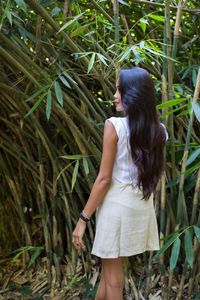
[(124, 255)]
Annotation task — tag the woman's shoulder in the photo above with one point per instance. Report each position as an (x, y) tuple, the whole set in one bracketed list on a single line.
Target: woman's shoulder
[(115, 119), (117, 123)]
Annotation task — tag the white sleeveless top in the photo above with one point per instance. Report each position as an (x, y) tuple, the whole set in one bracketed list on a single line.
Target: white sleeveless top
[(124, 169)]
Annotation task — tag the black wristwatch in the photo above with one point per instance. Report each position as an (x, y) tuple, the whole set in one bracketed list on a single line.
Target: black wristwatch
[(83, 217)]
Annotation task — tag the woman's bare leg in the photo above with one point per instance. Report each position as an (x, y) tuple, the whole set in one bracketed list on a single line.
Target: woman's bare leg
[(101, 291), (113, 278)]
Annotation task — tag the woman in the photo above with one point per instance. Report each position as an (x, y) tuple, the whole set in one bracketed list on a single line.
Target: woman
[(122, 195)]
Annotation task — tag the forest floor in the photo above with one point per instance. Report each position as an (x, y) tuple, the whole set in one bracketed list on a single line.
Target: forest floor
[(18, 282)]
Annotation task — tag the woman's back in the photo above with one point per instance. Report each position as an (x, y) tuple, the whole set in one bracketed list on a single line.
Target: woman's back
[(124, 170)]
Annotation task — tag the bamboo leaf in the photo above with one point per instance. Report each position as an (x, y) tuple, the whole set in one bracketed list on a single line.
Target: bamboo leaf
[(9, 16), (36, 105), (167, 245), (78, 156), (48, 105), (124, 3), (194, 77), (193, 168), (74, 175), (170, 103), (156, 17), (55, 11), (102, 58), (21, 251), (197, 232), (175, 254), (58, 92), (70, 78), (63, 170), (189, 247), (37, 251), (64, 81), (81, 29), (36, 93), (143, 24), (126, 54), (70, 22), (6, 13), (196, 108), (193, 156), (91, 62), (22, 5), (85, 166), (171, 111)]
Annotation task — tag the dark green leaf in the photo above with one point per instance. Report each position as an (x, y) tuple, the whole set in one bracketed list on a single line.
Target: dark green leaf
[(78, 156), (171, 111), (48, 105), (102, 58), (126, 54), (196, 107), (55, 11), (167, 245), (91, 62), (63, 170), (70, 78), (194, 77), (70, 22), (175, 254), (22, 5), (193, 156), (193, 168), (124, 3), (143, 24), (197, 232), (58, 92), (64, 81), (37, 251), (156, 17), (36, 105), (36, 93), (74, 175), (170, 103), (9, 16), (189, 247), (85, 165)]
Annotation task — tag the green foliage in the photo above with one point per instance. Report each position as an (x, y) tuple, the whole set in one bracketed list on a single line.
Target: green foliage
[(190, 233), (58, 71), (35, 250)]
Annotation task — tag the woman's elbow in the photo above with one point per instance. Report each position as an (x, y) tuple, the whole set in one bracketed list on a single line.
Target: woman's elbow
[(104, 180)]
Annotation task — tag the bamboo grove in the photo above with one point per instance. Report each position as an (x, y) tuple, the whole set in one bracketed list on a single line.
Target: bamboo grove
[(58, 65)]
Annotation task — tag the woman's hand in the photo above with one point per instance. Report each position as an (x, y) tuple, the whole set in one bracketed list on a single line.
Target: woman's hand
[(77, 236)]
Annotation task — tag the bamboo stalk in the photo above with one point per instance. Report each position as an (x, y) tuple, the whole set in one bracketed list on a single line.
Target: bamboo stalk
[(116, 23), (182, 176), (186, 151), (99, 8), (45, 221), (14, 62), (195, 200), (73, 47), (116, 20), (167, 38), (151, 3), (126, 27), (27, 60)]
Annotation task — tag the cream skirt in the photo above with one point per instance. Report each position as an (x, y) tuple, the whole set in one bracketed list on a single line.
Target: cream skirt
[(125, 224)]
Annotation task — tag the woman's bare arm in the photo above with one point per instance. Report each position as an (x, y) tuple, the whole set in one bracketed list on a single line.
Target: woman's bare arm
[(103, 180)]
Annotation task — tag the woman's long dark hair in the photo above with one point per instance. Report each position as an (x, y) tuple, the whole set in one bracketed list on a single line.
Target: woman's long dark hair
[(147, 135)]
